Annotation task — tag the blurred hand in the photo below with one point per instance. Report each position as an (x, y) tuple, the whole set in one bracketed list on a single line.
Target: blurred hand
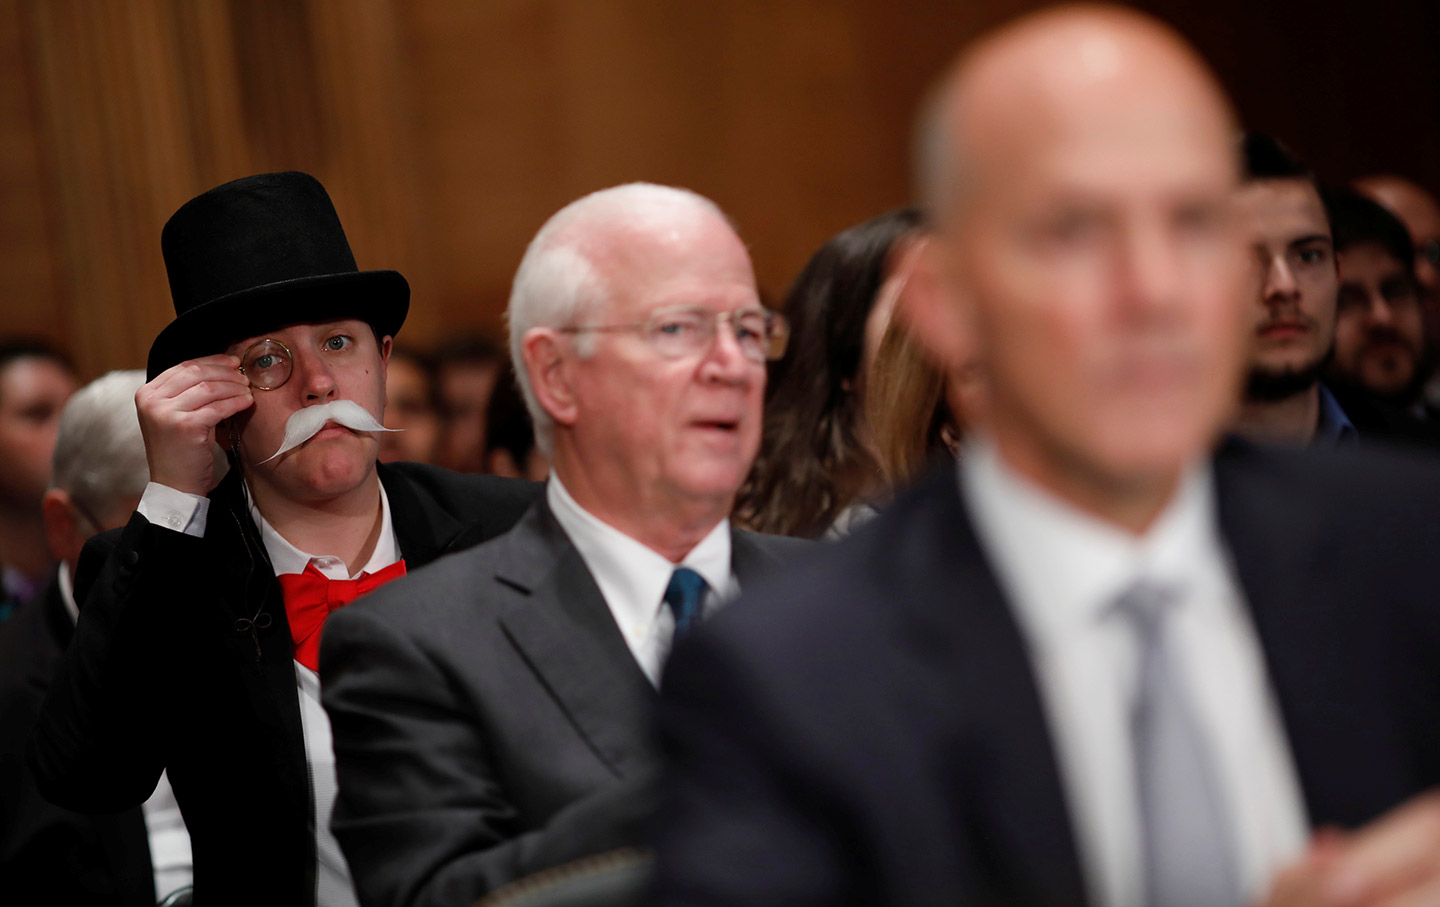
[(1393, 861), (178, 414)]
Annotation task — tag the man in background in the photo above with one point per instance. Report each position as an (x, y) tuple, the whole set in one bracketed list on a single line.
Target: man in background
[(138, 856), (510, 448), (466, 370), (412, 406), (1420, 213), (35, 382), (1285, 403), (1380, 333)]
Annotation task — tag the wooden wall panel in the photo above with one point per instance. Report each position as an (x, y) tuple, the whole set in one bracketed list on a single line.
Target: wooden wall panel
[(30, 271), (113, 128), (448, 130)]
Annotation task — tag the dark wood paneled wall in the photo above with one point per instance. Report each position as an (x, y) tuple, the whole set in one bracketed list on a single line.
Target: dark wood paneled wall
[(448, 130)]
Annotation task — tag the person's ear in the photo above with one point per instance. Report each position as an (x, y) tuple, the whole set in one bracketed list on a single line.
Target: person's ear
[(63, 532), (549, 364), (934, 308)]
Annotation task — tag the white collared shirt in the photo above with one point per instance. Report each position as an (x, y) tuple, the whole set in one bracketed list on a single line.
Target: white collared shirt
[(187, 513), (633, 577), (334, 886), (171, 861), (1062, 570)]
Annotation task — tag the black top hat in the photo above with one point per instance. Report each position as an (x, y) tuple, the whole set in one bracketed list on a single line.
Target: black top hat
[(260, 253)]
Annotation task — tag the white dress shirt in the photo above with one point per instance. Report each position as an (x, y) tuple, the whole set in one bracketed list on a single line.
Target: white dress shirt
[(1063, 570), (632, 577), (187, 513), (170, 857)]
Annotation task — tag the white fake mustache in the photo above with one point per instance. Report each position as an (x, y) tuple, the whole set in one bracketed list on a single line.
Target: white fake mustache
[(307, 421)]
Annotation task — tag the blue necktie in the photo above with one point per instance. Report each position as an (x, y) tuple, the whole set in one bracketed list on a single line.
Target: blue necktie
[(686, 596)]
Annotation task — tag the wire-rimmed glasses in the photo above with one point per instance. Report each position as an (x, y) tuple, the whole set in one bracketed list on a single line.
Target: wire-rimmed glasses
[(684, 331), (268, 364)]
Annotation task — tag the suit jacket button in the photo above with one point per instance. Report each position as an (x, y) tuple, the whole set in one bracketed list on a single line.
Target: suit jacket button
[(132, 557)]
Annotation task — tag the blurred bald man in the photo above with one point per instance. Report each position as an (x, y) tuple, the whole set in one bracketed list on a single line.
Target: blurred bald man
[(1095, 664)]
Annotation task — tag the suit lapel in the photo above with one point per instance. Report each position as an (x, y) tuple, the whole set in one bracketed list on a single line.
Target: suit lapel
[(423, 530), (563, 627), (1021, 823), (258, 632), (748, 557), (1313, 637)]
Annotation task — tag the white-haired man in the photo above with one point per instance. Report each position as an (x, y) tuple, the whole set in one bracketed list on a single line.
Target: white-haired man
[(491, 713), (126, 858)]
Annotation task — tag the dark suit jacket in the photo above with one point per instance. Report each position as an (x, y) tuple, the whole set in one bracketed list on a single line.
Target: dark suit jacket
[(1377, 420), (74, 859), (489, 718), (869, 730), (182, 659)]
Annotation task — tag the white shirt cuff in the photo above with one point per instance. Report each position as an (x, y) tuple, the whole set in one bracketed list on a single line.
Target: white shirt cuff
[(174, 509)]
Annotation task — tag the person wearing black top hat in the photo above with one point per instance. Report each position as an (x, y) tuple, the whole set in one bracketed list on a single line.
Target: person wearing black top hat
[(200, 620)]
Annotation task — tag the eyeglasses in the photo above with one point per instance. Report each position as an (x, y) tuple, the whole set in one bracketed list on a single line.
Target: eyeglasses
[(689, 331), (268, 364)]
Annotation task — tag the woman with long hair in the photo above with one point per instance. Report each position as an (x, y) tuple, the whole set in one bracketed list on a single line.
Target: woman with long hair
[(815, 469)]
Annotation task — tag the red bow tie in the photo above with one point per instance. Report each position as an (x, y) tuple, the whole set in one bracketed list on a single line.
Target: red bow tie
[(311, 596)]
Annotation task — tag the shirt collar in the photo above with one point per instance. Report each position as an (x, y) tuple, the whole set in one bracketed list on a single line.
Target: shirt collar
[(286, 558), (637, 572), (67, 593), (1064, 567), (1333, 428)]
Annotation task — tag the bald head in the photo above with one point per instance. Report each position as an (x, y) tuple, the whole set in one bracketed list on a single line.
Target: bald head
[(1021, 85), (590, 252), (1082, 171)]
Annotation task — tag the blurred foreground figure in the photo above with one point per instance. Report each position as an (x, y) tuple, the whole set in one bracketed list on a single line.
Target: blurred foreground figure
[(35, 382), (1103, 667), (98, 476), (493, 714)]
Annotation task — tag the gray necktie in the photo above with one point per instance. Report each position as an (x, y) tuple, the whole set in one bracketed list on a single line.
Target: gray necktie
[(1188, 854)]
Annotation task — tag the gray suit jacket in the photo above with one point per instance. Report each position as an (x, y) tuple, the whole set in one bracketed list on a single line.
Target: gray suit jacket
[(489, 719)]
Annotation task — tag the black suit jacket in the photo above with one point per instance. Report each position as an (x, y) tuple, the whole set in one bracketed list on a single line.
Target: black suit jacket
[(489, 718), (74, 859), (182, 660), (869, 730)]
